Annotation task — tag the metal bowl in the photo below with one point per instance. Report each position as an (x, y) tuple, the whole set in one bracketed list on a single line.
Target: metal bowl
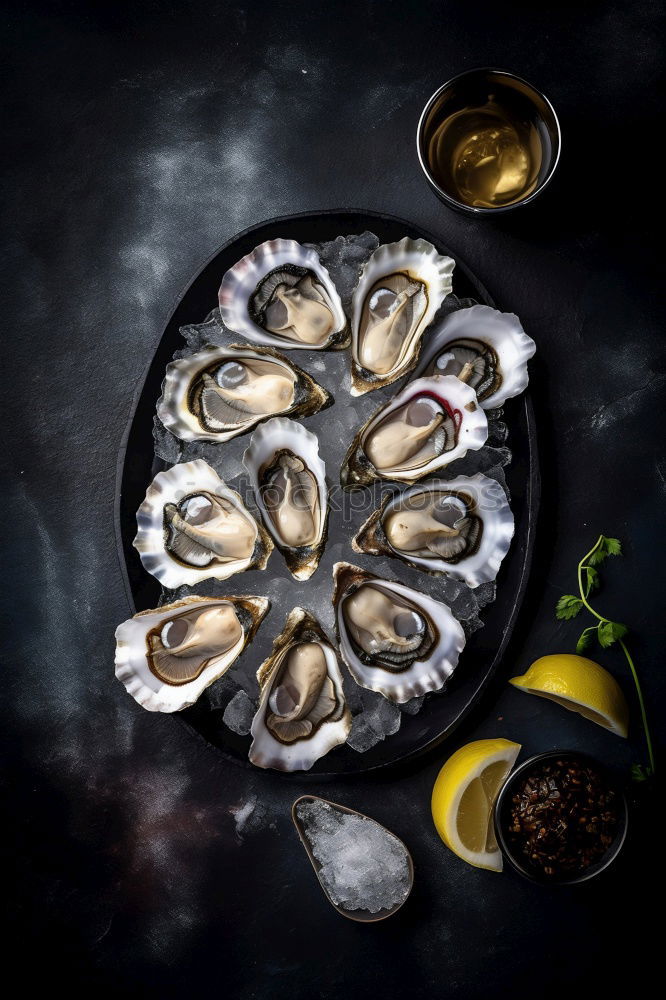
[(503, 805), (472, 89)]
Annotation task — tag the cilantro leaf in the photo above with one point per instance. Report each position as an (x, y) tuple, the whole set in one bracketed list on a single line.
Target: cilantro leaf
[(607, 547), (613, 546), (592, 579), (568, 607), (584, 641), (640, 772), (609, 632)]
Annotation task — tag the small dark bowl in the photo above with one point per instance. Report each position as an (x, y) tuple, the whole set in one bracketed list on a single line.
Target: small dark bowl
[(472, 89), (503, 805)]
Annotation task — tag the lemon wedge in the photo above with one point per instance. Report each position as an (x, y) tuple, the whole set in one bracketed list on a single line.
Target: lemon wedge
[(463, 798), (580, 685)]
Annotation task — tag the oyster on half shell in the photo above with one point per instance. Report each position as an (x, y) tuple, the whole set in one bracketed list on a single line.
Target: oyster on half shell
[(167, 656), (487, 349), (400, 289), (191, 526), (429, 424), (395, 640), (281, 295), (221, 392), (302, 711), (459, 527), (289, 482)]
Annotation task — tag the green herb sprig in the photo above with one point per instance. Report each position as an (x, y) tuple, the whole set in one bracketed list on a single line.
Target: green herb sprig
[(607, 631)]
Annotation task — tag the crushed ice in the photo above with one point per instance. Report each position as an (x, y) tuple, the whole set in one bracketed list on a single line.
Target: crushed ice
[(363, 866)]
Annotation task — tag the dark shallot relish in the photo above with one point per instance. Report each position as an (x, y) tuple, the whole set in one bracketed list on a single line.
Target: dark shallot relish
[(562, 818)]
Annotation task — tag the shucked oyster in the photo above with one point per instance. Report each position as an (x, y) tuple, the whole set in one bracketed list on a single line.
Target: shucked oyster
[(461, 527), (289, 482), (221, 392), (400, 289), (192, 527), (487, 349), (395, 640), (426, 426), (167, 656), (282, 295), (302, 712)]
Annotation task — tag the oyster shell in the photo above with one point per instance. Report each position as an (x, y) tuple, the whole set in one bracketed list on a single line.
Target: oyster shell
[(429, 424), (400, 289), (289, 482), (221, 392), (487, 349), (282, 295), (167, 656), (459, 527), (191, 526), (302, 711), (395, 640)]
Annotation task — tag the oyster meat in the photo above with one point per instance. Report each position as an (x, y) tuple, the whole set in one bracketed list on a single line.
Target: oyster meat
[(425, 427), (460, 527), (191, 526), (400, 289), (487, 349), (302, 711), (289, 482), (167, 656), (395, 640), (221, 392), (282, 295)]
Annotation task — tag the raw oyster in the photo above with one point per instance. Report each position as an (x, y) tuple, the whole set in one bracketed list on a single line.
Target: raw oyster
[(460, 527), (289, 482), (221, 392), (167, 656), (192, 527), (485, 348), (395, 640), (429, 424), (302, 711), (282, 295), (400, 289)]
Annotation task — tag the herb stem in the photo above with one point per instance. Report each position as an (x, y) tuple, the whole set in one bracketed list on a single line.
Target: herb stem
[(641, 702), (581, 565)]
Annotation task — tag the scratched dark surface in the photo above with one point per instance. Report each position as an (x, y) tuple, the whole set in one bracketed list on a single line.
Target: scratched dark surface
[(138, 139)]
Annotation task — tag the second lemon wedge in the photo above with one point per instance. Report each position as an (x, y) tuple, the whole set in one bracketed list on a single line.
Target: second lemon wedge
[(464, 795), (580, 685)]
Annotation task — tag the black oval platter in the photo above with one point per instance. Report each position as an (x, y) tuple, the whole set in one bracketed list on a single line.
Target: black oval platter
[(137, 465)]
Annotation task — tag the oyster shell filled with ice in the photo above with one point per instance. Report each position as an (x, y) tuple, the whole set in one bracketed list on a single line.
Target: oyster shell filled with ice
[(289, 482), (302, 711), (459, 527), (400, 289), (191, 526), (167, 656), (221, 392), (487, 349), (281, 295), (395, 640), (429, 424)]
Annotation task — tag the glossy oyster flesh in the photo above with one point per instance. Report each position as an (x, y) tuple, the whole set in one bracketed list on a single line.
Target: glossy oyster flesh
[(302, 712), (487, 349), (461, 527), (167, 656), (400, 289), (289, 481), (191, 526), (221, 392), (395, 640), (429, 424), (282, 295)]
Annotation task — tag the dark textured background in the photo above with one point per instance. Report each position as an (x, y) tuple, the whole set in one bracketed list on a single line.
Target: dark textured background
[(138, 138)]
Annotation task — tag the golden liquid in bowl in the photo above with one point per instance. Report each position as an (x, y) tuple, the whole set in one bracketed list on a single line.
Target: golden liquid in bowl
[(486, 156)]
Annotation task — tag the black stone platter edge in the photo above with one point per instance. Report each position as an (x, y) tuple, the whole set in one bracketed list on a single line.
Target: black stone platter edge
[(137, 465)]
